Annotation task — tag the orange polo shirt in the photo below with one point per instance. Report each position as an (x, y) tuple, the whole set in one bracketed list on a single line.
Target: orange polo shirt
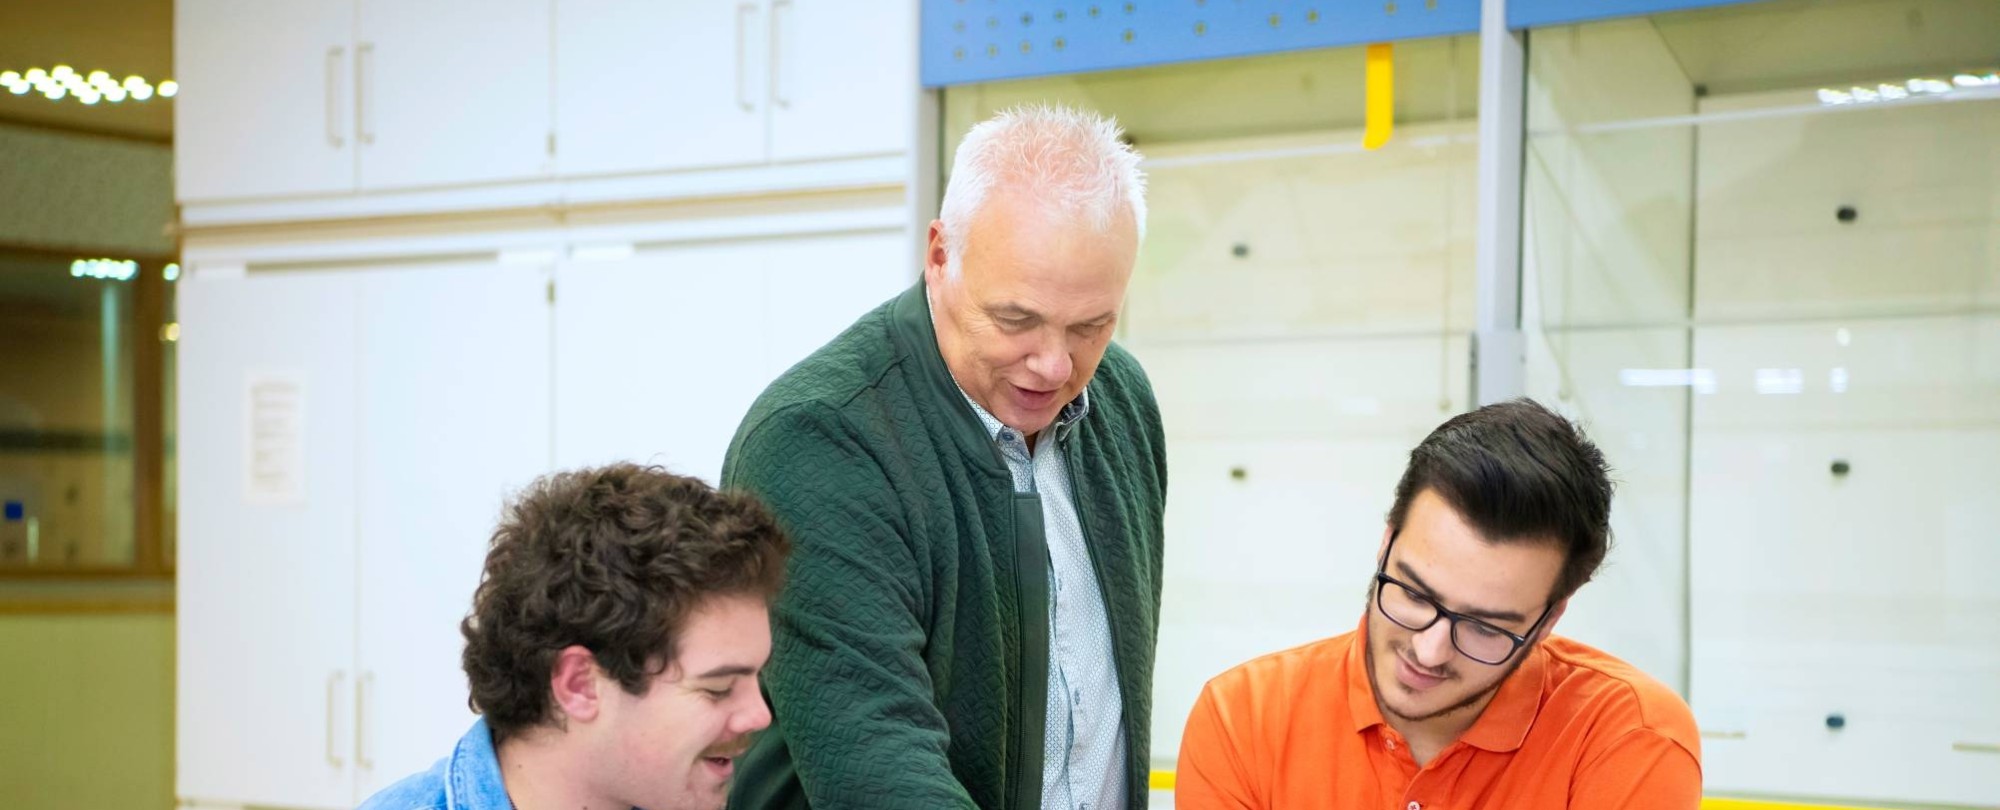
[(1573, 727)]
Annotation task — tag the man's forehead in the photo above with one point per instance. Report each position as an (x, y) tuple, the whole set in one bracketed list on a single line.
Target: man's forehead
[(1439, 547)]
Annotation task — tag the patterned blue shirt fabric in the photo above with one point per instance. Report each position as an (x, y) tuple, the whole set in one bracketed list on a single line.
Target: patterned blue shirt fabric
[(469, 779), (1084, 764)]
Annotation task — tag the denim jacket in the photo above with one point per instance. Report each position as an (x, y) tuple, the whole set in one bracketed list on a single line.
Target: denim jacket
[(469, 779)]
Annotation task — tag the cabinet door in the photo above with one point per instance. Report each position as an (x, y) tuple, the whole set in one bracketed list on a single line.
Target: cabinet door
[(658, 356), (452, 92), (843, 78), (650, 86), (820, 284), (267, 106), (266, 558), (454, 415)]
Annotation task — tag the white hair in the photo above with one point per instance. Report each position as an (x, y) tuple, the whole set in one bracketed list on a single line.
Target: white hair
[(1072, 161)]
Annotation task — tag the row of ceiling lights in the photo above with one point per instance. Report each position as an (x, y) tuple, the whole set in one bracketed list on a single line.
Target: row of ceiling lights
[(117, 269), (63, 81)]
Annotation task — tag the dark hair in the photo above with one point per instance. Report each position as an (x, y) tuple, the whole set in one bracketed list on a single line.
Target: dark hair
[(614, 559), (1516, 471)]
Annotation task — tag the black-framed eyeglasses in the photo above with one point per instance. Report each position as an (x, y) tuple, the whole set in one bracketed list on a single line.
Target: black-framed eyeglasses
[(1416, 611)]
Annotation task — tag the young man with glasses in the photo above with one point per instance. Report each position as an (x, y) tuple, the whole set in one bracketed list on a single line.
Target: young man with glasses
[(1452, 693)]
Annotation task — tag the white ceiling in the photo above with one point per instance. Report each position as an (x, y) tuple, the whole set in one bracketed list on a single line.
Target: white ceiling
[(1800, 43)]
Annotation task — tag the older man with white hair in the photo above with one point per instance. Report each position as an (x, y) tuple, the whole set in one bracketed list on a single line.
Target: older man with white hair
[(973, 476)]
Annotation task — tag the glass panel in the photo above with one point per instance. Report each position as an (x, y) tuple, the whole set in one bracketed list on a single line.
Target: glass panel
[(1762, 256), (75, 333), (1301, 305)]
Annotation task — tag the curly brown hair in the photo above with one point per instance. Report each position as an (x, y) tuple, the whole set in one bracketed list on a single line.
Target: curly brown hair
[(613, 559)]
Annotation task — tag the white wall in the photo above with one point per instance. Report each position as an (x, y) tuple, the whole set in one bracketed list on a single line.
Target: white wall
[(1875, 343)]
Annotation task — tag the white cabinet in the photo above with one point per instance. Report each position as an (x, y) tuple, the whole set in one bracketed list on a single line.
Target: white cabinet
[(659, 356), (452, 92), (266, 589), (296, 103), (266, 108), (326, 96), (318, 633), (453, 419), (659, 85), (718, 83), (843, 78)]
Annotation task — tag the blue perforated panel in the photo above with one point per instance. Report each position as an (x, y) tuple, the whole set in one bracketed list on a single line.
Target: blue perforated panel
[(1538, 13), (968, 41)]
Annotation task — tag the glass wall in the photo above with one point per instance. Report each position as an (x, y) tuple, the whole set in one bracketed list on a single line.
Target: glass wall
[(82, 413), (1301, 305), (1762, 260)]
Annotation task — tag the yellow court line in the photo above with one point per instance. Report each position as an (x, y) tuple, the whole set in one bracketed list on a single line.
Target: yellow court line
[(1164, 780)]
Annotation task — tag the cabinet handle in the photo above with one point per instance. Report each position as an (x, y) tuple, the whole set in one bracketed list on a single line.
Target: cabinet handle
[(743, 12), (1976, 748), (364, 61), (778, 95), (333, 127), (332, 691), (362, 689)]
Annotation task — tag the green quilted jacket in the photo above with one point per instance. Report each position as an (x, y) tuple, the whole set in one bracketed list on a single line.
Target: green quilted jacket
[(910, 645)]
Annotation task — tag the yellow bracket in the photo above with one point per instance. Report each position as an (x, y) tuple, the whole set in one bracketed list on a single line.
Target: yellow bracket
[(1381, 104)]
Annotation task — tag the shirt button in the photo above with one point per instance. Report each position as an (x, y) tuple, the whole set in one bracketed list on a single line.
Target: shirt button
[(1415, 806), (1390, 742)]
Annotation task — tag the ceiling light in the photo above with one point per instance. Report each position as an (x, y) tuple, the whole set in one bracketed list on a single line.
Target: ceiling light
[(172, 272), (107, 269), (89, 87)]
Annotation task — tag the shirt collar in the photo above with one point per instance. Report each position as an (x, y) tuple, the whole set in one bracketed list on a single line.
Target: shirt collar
[(473, 781), (1501, 728), (1065, 421)]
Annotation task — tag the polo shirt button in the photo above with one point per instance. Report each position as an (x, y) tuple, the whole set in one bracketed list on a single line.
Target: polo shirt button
[(1390, 742), (1415, 806)]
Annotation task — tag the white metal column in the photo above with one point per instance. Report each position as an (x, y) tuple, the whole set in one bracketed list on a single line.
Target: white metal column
[(1498, 351)]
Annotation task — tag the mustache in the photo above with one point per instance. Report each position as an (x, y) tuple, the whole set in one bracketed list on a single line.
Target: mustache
[(1403, 653)]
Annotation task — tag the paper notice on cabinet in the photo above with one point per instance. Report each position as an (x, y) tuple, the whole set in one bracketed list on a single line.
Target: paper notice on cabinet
[(274, 423)]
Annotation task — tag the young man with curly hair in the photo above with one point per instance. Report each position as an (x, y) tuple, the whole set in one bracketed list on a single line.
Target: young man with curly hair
[(613, 648)]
